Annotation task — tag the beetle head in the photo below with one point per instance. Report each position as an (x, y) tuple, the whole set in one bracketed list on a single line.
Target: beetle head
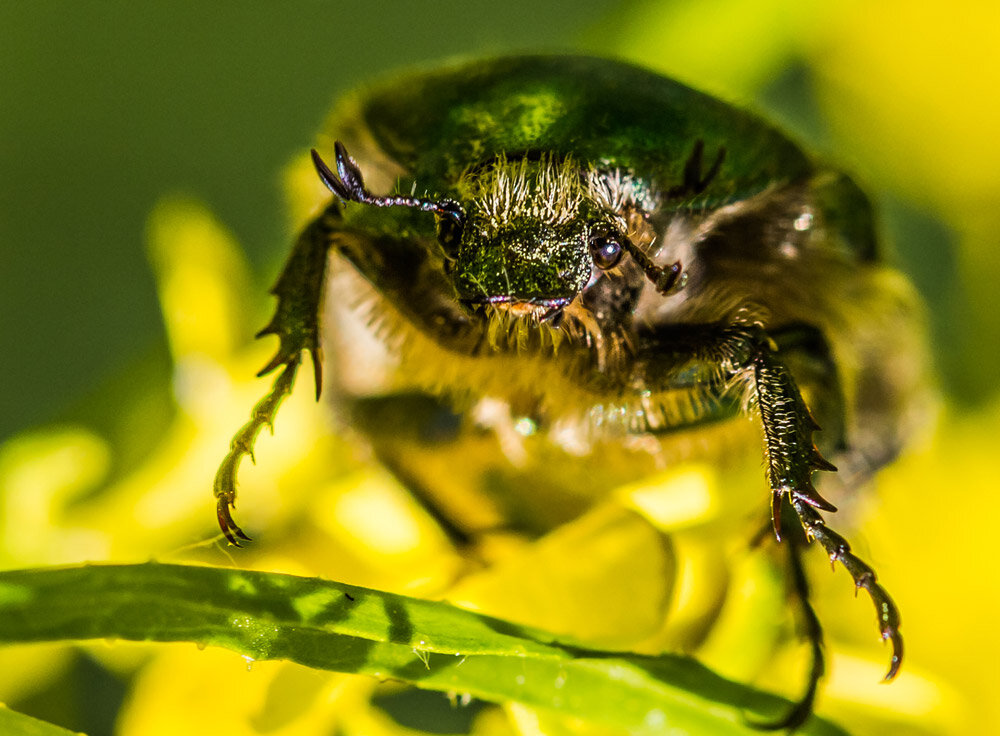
[(528, 237)]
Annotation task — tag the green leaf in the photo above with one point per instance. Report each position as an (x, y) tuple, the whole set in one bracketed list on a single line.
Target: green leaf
[(13, 723), (344, 628)]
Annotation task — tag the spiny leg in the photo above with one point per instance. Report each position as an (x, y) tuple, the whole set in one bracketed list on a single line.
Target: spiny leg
[(803, 708), (299, 289), (864, 577), (242, 444), (791, 459), (809, 356), (296, 323), (296, 320), (788, 425), (744, 355)]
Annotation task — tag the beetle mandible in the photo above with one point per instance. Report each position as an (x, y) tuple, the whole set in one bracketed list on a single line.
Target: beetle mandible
[(613, 256)]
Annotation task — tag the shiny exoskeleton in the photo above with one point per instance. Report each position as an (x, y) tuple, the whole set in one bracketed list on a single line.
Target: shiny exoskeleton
[(615, 259)]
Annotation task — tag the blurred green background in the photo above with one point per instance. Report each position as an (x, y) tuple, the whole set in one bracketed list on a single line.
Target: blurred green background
[(106, 107)]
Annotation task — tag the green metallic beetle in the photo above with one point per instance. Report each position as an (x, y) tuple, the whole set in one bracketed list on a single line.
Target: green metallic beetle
[(615, 261)]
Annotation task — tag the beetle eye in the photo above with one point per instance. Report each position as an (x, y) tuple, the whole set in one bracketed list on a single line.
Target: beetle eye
[(449, 232), (605, 249)]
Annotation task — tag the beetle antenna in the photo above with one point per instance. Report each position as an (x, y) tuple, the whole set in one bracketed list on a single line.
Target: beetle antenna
[(665, 279), (348, 184), (693, 181)]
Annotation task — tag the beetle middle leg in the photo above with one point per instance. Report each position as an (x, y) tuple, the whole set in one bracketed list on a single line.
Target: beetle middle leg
[(795, 541)]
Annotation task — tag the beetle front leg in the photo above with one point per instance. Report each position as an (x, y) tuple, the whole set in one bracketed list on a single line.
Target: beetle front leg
[(791, 459), (299, 289), (864, 577), (788, 426), (675, 355), (296, 323), (745, 355)]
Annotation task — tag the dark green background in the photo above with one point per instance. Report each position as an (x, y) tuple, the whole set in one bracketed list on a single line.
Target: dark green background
[(104, 107)]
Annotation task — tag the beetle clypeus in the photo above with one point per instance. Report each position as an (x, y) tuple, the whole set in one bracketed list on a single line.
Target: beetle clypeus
[(608, 256)]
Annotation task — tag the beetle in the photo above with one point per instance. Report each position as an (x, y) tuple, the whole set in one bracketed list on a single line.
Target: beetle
[(609, 260)]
